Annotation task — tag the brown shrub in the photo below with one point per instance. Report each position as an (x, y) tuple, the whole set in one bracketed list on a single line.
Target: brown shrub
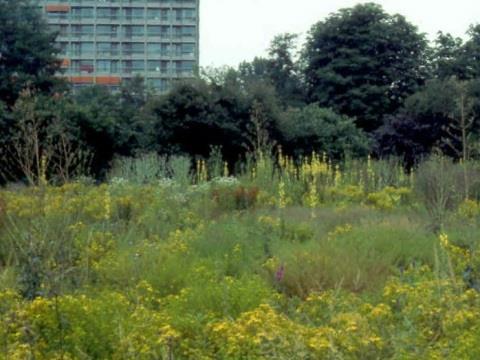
[(239, 198)]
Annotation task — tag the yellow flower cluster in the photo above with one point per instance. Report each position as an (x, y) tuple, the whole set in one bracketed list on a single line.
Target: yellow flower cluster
[(339, 230), (469, 209)]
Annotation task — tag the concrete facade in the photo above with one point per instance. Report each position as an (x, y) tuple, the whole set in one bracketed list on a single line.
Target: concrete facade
[(109, 41)]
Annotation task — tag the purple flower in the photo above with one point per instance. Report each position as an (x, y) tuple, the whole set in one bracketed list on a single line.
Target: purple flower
[(279, 275)]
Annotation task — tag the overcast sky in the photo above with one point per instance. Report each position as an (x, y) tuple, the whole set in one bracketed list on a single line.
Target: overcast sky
[(235, 30)]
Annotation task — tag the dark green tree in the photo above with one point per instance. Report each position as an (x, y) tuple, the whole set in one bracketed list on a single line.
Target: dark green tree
[(196, 115), (284, 69), (99, 126), (280, 69), (27, 50), (363, 62), (442, 115), (469, 58), (313, 128), (446, 57), (136, 127), (115, 123), (182, 115)]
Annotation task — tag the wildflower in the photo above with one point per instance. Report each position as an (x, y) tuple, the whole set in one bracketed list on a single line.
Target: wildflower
[(282, 196), (280, 274)]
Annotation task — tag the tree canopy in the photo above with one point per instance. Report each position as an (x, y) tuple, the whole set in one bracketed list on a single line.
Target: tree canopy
[(27, 50), (363, 62)]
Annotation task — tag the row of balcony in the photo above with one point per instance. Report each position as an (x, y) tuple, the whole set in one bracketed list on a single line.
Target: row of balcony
[(69, 18), (141, 38), (124, 3), (127, 56), (130, 73)]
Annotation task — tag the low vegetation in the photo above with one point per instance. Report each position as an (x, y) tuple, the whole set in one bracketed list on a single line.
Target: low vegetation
[(286, 260)]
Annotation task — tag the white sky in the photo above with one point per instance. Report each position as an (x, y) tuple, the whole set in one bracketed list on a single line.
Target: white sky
[(235, 30)]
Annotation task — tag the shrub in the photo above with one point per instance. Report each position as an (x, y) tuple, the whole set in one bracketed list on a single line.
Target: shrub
[(439, 185), (321, 130), (238, 198), (144, 169)]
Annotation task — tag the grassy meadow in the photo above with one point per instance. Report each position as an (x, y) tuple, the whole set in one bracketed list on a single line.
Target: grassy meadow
[(285, 260)]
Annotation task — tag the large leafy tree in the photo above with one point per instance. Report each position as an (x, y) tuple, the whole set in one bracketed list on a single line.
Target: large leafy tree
[(280, 69), (446, 57), (453, 57), (115, 123), (363, 62), (27, 50), (470, 55), (444, 114), (198, 114)]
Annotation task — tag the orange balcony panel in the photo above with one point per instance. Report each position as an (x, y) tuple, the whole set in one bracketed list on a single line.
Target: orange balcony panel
[(65, 63), (57, 8), (108, 80), (82, 79)]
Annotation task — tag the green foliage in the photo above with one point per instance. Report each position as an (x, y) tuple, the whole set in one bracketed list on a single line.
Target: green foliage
[(114, 124), (441, 115), (323, 131), (369, 255), (363, 62), (181, 170), (470, 52), (27, 50), (145, 169), (42, 139), (445, 57), (159, 271), (439, 184), (280, 69), (449, 105), (197, 115)]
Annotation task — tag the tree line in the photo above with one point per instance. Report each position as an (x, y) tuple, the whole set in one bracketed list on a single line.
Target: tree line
[(364, 82)]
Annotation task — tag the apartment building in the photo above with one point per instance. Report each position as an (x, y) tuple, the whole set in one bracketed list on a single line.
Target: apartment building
[(109, 41)]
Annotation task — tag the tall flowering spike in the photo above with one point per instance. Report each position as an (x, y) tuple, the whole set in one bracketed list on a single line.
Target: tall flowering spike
[(199, 170), (338, 176), (312, 196), (282, 196), (282, 160), (107, 203), (370, 172), (43, 171), (444, 241), (225, 169), (205, 171)]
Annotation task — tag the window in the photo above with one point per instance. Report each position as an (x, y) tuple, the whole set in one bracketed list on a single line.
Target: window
[(82, 48), (107, 30), (107, 66), (158, 31), (82, 12), (82, 30), (107, 48), (160, 85), (133, 48), (133, 66), (157, 49), (184, 67), (133, 30), (157, 66), (83, 66)]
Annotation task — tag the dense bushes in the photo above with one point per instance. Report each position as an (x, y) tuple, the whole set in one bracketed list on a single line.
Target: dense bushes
[(322, 130)]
